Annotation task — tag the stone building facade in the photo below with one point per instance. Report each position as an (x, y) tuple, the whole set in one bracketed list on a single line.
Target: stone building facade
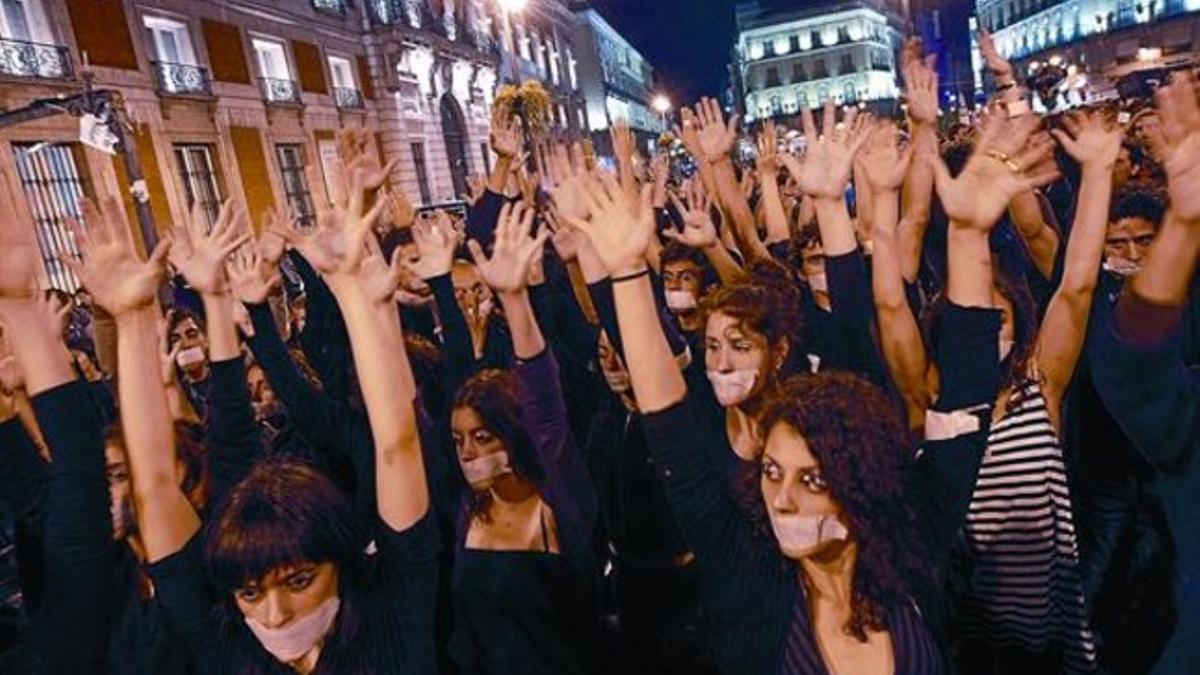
[(243, 99)]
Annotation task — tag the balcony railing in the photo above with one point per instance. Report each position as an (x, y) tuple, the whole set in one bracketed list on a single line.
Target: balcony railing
[(32, 59), (276, 90), (348, 98), (181, 79), (335, 7)]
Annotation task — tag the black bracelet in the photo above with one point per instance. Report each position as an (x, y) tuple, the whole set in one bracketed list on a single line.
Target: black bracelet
[(630, 277)]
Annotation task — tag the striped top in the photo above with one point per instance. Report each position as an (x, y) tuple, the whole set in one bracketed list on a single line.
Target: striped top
[(914, 649), (1026, 589)]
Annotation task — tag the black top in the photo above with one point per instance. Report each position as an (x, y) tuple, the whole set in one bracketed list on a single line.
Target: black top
[(756, 613), (70, 628), (395, 631)]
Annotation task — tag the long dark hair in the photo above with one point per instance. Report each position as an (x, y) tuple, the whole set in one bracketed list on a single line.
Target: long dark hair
[(856, 432), (286, 513), (767, 303), (494, 396)]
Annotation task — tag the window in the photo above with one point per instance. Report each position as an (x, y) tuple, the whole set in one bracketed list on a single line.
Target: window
[(816, 39), (53, 184), (276, 73), (772, 77), (345, 89), (571, 70), (337, 7), (820, 70), (24, 20), (798, 73), (199, 178), (847, 64), (843, 34), (25, 42), (295, 182), (175, 68), (418, 153)]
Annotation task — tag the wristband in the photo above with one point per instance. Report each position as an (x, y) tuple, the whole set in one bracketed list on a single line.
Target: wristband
[(645, 272)]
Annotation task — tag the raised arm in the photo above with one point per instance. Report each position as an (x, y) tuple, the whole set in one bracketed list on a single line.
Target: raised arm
[(716, 138), (1007, 160), (1028, 215), (768, 172), (1064, 327), (825, 173), (233, 437), (1138, 369), (921, 88), (364, 286), (126, 287), (885, 166)]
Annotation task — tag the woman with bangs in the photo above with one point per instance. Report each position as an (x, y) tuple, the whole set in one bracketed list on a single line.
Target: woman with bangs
[(298, 587)]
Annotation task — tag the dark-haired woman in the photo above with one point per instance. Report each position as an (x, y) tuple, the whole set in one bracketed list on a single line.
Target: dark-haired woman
[(523, 570), (839, 591), (64, 500), (296, 591), (1024, 605)]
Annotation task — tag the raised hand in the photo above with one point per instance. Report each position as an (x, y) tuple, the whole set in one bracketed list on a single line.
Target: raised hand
[(624, 145), (996, 63), (1177, 106), (272, 243), (699, 231), (200, 256), (357, 157), (379, 279), (400, 209), (884, 162), (436, 240), (1007, 161), (505, 136), (715, 137), (829, 159), (566, 239), (1090, 140), (689, 133), (570, 174), (246, 278), (507, 271), (336, 246), (920, 85), (621, 226), (768, 150), (110, 269), (660, 173)]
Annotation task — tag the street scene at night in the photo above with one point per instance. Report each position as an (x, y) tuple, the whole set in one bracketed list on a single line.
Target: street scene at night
[(591, 337)]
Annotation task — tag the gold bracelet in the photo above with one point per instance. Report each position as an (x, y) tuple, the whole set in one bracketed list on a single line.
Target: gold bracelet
[(1004, 159)]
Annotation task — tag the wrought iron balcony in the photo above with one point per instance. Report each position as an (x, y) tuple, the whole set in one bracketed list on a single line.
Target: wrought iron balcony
[(348, 98), (335, 7), (276, 90), (181, 79), (33, 59)]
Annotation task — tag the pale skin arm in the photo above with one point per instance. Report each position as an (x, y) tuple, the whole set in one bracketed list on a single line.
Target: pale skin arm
[(918, 202), (772, 200), (1041, 239), (364, 287), (1064, 327), (126, 287), (884, 168)]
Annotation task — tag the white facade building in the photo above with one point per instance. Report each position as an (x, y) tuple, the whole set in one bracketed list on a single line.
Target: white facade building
[(784, 61), (617, 81)]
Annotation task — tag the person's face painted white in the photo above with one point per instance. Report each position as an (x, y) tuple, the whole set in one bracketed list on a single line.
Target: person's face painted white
[(292, 609), (737, 360), (804, 516)]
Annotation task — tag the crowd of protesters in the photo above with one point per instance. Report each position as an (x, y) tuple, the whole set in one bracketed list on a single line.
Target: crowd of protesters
[(630, 422)]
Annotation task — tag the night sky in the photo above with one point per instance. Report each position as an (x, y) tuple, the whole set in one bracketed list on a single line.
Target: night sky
[(687, 42)]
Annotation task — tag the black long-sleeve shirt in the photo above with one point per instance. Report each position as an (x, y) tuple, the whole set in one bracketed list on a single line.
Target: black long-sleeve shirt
[(70, 629)]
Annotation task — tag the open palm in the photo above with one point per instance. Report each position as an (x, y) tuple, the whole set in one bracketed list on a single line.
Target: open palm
[(119, 281), (507, 270), (829, 159), (200, 256), (436, 241), (885, 163), (621, 227)]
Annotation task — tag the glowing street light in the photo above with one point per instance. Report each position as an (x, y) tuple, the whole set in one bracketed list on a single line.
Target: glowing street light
[(662, 105)]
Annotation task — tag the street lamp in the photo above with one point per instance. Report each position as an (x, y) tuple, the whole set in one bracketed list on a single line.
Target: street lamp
[(662, 104)]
